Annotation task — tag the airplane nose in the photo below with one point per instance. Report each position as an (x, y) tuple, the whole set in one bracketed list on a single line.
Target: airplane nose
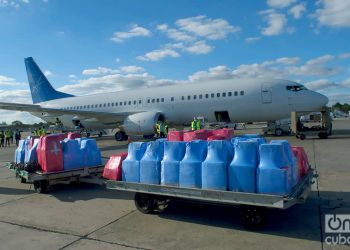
[(322, 100)]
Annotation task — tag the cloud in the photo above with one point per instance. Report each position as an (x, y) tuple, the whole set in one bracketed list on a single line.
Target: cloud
[(276, 23), (175, 34), (8, 81), (252, 39), (288, 60), (72, 76), (135, 31), (212, 29), (200, 47), (158, 54), (346, 83), (297, 10), (279, 3), (47, 73), (344, 56), (321, 84), (215, 73), (333, 13), (99, 71), (131, 69), (10, 3)]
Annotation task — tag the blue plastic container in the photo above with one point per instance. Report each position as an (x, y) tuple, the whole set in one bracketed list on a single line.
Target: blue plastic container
[(131, 165), (32, 155), (150, 163), (292, 161), (242, 170), (174, 152), (73, 157), (273, 177), (214, 167), (191, 165), (237, 139), (91, 152)]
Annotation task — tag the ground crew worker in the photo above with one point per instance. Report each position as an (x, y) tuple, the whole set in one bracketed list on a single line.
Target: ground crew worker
[(198, 125), (17, 136), (161, 130), (2, 139), (43, 132), (158, 129), (7, 137), (11, 136), (166, 127), (193, 123)]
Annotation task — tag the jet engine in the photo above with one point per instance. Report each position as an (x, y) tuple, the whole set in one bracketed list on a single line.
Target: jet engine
[(142, 123)]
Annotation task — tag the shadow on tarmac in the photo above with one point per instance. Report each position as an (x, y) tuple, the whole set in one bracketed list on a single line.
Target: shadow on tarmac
[(15, 191)]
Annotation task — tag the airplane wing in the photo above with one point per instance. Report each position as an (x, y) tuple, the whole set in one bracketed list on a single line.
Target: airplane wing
[(51, 112)]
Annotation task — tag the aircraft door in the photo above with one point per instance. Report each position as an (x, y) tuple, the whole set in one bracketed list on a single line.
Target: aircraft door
[(266, 94)]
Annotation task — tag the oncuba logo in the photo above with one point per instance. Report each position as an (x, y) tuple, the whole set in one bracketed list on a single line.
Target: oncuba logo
[(337, 223)]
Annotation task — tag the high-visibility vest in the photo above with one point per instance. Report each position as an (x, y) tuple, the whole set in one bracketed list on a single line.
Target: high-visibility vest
[(193, 125), (7, 134), (161, 128), (42, 132), (158, 128), (198, 125)]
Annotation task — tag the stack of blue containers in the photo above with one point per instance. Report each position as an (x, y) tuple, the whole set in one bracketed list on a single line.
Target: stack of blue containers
[(91, 153), (273, 176), (191, 165), (214, 167), (174, 152), (73, 157), (150, 163), (131, 165), (242, 170), (32, 155)]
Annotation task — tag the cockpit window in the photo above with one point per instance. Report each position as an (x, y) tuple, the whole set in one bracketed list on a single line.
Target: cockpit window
[(296, 88)]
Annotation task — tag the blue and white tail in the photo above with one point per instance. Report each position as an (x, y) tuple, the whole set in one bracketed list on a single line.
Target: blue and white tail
[(40, 87)]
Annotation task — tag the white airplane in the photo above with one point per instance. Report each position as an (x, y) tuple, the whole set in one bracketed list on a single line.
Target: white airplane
[(137, 111)]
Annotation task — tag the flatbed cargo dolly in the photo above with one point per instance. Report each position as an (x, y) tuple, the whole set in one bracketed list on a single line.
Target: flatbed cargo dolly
[(149, 196), (42, 181)]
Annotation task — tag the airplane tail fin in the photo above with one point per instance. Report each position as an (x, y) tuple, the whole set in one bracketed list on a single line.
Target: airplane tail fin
[(40, 87)]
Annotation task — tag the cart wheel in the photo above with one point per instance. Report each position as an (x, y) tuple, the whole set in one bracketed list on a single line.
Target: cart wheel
[(323, 135), (278, 132), (23, 180), (145, 203), (41, 186), (302, 137), (254, 217)]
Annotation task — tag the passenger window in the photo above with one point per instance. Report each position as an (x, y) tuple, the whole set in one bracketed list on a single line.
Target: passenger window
[(194, 97), (116, 104), (124, 103), (217, 94), (172, 99), (104, 105), (236, 93), (129, 102), (207, 96), (162, 99), (153, 100), (224, 94), (81, 107), (157, 99), (200, 96), (182, 98), (189, 97), (139, 101), (230, 93), (212, 95), (100, 105), (108, 105), (242, 92), (148, 100), (135, 102), (84, 106), (120, 103), (112, 104)]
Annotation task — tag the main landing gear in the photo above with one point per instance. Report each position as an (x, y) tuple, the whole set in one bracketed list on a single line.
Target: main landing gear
[(120, 136)]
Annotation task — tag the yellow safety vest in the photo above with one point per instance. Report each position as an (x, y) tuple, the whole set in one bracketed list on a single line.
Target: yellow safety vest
[(193, 125)]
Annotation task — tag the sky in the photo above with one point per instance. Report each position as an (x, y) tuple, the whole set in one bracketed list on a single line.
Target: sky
[(90, 46)]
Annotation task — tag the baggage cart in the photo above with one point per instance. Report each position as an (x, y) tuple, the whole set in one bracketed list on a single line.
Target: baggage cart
[(42, 181), (148, 197)]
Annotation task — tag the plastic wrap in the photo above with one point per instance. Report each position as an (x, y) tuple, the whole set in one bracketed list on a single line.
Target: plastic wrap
[(302, 159), (176, 136), (91, 152), (73, 157), (50, 153), (214, 167), (131, 165), (32, 155), (292, 161), (113, 168), (273, 176), (150, 163), (174, 152), (242, 170), (191, 165)]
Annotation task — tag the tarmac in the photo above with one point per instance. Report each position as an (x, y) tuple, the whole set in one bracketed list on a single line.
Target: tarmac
[(86, 216)]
